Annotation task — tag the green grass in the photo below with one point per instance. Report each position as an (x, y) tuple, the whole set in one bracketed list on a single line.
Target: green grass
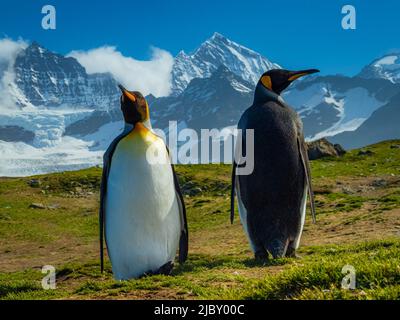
[(317, 275), (383, 161), (358, 224)]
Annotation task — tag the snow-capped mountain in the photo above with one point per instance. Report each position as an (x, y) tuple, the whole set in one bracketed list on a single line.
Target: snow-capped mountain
[(383, 124), (49, 93), (386, 67), (63, 118), (213, 53), (52, 80), (213, 102), (332, 104)]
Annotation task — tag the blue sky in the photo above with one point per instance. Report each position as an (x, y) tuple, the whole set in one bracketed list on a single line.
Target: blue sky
[(295, 34)]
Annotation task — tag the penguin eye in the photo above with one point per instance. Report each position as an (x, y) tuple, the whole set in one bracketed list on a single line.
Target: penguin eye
[(266, 81)]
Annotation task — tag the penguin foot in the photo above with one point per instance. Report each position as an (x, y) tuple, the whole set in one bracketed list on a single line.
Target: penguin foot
[(165, 269), (291, 253), (261, 256)]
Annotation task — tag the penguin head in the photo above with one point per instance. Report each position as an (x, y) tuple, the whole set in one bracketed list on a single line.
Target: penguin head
[(134, 106), (277, 80)]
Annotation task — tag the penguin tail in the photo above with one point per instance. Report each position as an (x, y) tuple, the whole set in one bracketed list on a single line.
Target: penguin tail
[(233, 191), (183, 247), (277, 248)]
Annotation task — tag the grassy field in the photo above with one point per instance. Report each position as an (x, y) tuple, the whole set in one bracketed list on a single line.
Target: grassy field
[(52, 220)]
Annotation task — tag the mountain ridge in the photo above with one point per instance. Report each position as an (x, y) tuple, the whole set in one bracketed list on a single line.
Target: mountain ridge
[(69, 116), (214, 52)]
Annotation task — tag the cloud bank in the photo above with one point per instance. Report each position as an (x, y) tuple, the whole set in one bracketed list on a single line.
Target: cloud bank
[(8, 52), (152, 76)]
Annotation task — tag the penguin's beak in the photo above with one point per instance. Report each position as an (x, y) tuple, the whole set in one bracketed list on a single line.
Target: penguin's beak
[(126, 93), (121, 87), (297, 74)]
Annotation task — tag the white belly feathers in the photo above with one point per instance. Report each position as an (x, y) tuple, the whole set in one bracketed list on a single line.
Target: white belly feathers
[(142, 220)]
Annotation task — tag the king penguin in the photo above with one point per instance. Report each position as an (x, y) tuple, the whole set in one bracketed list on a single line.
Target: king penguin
[(142, 213), (272, 198)]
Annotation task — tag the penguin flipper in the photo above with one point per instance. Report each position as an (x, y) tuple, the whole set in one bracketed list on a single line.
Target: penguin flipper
[(307, 172), (233, 191), (103, 188), (184, 237)]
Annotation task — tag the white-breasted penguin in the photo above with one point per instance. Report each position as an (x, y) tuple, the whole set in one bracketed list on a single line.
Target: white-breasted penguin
[(142, 212), (272, 199)]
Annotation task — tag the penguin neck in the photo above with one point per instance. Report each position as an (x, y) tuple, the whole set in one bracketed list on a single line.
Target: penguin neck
[(147, 124), (262, 95), (130, 126)]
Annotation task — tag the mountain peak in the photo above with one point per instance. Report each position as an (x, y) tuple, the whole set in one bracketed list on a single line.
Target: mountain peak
[(50, 79), (217, 36), (36, 47), (217, 40), (386, 67), (210, 55), (181, 54)]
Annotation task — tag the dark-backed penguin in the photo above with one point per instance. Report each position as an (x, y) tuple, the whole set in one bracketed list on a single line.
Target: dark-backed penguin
[(142, 212), (272, 199)]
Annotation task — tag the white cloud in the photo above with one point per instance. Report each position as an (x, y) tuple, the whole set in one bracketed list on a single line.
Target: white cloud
[(152, 76), (9, 49), (8, 52)]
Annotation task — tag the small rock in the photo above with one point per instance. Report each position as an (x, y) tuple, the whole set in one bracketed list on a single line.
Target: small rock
[(379, 183), (347, 190), (189, 188), (395, 146), (34, 183), (339, 149), (5, 217), (37, 205), (323, 148), (365, 153), (53, 206), (195, 190)]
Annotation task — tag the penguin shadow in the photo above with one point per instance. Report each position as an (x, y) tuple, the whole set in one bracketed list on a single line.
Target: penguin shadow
[(269, 262), (201, 262), (196, 262)]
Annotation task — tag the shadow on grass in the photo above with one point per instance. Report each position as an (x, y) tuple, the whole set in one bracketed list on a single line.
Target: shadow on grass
[(16, 287), (205, 262)]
